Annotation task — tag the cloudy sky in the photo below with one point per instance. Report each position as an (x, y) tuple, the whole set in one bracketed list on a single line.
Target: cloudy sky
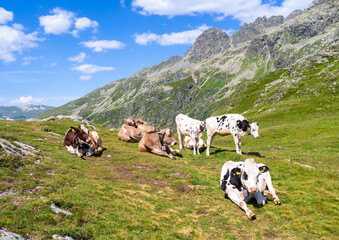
[(52, 52)]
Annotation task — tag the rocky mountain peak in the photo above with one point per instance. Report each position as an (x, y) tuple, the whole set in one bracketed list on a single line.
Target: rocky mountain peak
[(210, 42), (259, 26)]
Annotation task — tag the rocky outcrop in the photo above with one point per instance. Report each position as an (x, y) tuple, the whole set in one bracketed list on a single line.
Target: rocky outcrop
[(259, 26), (212, 41)]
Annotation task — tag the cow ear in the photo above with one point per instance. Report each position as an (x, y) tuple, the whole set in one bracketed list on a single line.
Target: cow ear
[(161, 133), (263, 169), (74, 129), (239, 124)]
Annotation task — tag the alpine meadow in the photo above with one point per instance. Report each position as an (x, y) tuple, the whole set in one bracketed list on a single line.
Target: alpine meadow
[(281, 72)]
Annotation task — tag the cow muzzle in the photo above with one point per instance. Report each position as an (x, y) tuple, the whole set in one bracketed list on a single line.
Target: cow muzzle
[(174, 143), (253, 189)]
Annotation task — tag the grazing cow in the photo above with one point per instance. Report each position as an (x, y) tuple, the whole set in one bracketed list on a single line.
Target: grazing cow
[(242, 181), (234, 124), (141, 126), (95, 142), (129, 132), (159, 143), (193, 128), (77, 142), (188, 143)]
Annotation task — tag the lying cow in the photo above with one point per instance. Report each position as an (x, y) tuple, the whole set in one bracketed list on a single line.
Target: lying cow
[(141, 126), (95, 143), (77, 142), (234, 124), (159, 143), (242, 181), (188, 143), (193, 128), (129, 132)]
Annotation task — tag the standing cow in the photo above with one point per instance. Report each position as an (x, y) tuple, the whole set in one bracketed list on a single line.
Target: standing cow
[(193, 128), (95, 143), (242, 181), (77, 142), (228, 124), (159, 143)]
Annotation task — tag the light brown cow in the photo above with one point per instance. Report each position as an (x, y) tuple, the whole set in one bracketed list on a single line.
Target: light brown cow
[(95, 143), (129, 132), (159, 143), (141, 125)]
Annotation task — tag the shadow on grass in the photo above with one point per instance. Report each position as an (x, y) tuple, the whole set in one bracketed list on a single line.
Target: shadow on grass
[(219, 150)]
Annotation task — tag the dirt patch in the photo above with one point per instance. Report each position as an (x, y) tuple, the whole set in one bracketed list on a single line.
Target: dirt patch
[(202, 212), (186, 189), (49, 170), (132, 174)]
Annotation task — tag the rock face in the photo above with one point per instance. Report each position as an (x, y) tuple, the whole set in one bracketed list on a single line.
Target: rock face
[(212, 41), (259, 26), (214, 70)]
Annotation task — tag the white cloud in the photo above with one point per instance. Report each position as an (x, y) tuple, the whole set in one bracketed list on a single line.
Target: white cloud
[(243, 10), (13, 40), (185, 37), (5, 16), (78, 58), (99, 46), (58, 23), (62, 21), (2, 100), (85, 77), (29, 59), (90, 68), (26, 100), (84, 22)]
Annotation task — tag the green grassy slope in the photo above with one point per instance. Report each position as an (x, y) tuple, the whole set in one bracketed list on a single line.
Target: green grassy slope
[(125, 194)]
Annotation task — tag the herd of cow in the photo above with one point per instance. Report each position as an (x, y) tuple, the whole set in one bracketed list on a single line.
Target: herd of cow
[(241, 181)]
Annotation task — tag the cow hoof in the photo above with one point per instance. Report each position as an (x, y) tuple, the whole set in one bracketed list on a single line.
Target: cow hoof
[(251, 216), (172, 157), (277, 201)]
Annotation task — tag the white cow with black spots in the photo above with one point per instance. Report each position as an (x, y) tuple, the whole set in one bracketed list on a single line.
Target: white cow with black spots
[(242, 181), (193, 128), (228, 124)]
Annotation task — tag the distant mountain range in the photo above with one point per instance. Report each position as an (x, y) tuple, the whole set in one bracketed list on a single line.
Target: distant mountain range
[(262, 66), (22, 112)]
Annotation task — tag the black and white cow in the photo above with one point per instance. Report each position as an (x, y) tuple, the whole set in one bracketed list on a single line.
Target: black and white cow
[(242, 181), (77, 142), (193, 128), (228, 124)]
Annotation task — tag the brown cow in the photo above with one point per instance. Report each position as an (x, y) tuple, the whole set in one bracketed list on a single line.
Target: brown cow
[(141, 125), (159, 143), (77, 141), (95, 142), (129, 132)]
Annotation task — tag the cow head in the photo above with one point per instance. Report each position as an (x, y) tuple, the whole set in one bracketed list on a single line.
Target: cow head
[(140, 121), (254, 129), (131, 122), (202, 127), (81, 134), (250, 175), (167, 137)]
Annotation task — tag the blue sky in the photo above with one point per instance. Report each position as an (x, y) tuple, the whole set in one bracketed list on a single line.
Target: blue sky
[(54, 51)]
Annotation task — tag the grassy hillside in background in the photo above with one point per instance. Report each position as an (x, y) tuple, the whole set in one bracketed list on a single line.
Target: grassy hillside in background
[(125, 194)]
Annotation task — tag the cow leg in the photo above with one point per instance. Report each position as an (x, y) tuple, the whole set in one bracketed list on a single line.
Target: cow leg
[(237, 142), (180, 136), (209, 141), (173, 150), (241, 203), (194, 143), (268, 180), (159, 152)]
